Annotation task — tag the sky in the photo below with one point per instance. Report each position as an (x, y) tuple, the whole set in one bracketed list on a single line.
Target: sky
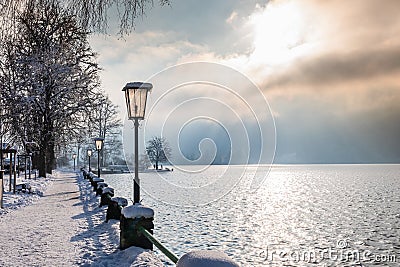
[(286, 81)]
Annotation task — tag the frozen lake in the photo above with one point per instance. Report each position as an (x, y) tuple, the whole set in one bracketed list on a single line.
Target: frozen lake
[(338, 215)]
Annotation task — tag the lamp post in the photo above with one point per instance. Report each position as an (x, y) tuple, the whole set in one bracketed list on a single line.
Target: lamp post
[(136, 97), (89, 153), (30, 165), (99, 146), (74, 157)]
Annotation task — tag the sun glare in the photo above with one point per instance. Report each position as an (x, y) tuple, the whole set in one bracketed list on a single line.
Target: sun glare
[(279, 33)]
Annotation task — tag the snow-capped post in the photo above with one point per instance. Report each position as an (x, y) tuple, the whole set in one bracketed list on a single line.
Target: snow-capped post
[(136, 215), (106, 194), (99, 188), (114, 208), (95, 182), (133, 217)]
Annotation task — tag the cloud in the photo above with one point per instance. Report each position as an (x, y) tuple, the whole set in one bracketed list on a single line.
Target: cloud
[(335, 93), (137, 57), (327, 70), (339, 103)]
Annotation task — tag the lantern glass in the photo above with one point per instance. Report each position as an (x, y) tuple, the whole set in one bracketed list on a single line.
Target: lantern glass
[(99, 143), (89, 152), (136, 97), (74, 156)]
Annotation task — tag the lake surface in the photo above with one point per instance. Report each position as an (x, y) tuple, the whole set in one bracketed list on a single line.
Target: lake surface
[(301, 215)]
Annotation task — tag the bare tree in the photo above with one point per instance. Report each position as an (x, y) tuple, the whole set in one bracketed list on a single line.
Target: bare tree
[(92, 14), (158, 150), (106, 123), (49, 76)]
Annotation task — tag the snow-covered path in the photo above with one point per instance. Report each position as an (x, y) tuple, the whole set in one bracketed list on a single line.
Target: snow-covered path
[(66, 227), (40, 234)]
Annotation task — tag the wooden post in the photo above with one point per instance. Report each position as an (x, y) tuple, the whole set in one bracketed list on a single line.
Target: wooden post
[(9, 184), (17, 168), (15, 172), (25, 165), (30, 166), (131, 218), (1, 188)]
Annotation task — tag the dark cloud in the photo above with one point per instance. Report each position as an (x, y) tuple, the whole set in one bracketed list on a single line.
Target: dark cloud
[(331, 69)]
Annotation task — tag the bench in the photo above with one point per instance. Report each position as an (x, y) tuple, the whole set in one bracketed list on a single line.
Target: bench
[(23, 188)]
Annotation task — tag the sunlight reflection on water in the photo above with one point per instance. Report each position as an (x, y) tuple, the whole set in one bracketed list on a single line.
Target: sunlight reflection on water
[(297, 209)]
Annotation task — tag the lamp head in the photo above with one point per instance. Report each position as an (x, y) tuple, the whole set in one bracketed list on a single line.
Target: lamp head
[(99, 143), (136, 97)]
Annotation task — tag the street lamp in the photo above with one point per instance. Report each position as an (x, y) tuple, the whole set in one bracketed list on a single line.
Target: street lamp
[(89, 153), (99, 146), (74, 157), (136, 97)]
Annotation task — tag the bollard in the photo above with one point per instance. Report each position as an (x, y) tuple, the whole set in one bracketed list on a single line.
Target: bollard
[(106, 195), (91, 176), (95, 181), (100, 187), (115, 206), (131, 218), (206, 258)]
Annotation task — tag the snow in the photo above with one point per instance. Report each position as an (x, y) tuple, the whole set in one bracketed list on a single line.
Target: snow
[(130, 257), (108, 190), (137, 211), (123, 202), (63, 226), (101, 185), (205, 258), (13, 201)]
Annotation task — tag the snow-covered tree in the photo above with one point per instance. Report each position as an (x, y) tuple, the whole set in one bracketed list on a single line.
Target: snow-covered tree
[(50, 78), (158, 150), (106, 123)]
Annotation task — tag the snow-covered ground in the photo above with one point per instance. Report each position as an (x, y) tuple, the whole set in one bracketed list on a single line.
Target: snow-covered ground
[(63, 226), (13, 201)]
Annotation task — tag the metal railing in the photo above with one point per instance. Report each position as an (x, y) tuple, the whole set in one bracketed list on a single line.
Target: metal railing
[(158, 244)]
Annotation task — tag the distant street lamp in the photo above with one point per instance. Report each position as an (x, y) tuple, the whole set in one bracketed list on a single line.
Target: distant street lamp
[(89, 153), (136, 97), (99, 146), (74, 157)]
